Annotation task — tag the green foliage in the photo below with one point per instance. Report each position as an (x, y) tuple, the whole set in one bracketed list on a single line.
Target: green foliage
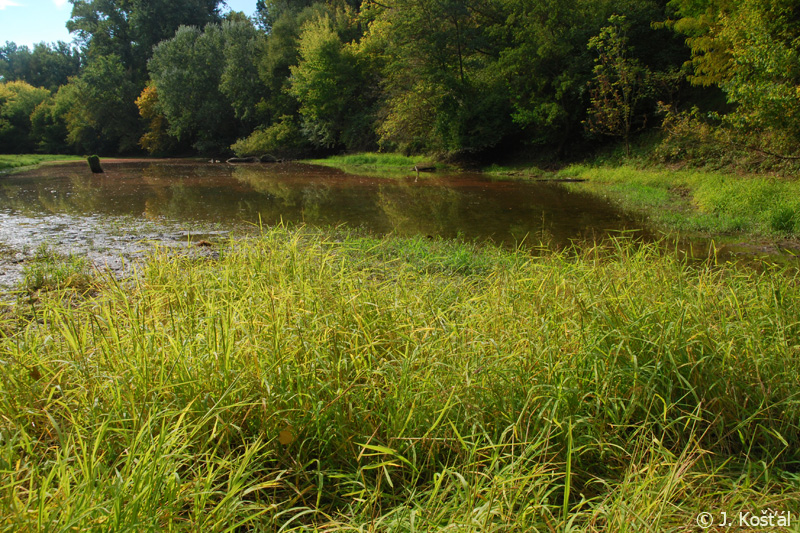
[(18, 100), (701, 21), (187, 72), (329, 84), (102, 115), (48, 270), (546, 64), (282, 139), (618, 85), (129, 29), (47, 66), (49, 128), (749, 49), (765, 76), (440, 94), (239, 83), (313, 380), (416, 76)]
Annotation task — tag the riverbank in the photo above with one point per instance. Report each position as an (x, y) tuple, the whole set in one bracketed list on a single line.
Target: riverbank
[(691, 202), (381, 164), (20, 161), (309, 378)]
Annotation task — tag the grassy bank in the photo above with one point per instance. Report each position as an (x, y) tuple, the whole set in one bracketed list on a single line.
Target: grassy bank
[(693, 201), (376, 163), (325, 380), (12, 161), (698, 201)]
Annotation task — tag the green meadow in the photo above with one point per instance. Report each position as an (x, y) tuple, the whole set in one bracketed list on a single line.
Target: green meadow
[(314, 380)]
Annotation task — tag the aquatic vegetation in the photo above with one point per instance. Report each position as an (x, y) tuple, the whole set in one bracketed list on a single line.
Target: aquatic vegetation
[(51, 270)]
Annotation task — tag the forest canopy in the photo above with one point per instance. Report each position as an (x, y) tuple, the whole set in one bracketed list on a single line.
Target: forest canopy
[(456, 77)]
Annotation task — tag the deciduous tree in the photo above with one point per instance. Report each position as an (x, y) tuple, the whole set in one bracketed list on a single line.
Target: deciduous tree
[(618, 85)]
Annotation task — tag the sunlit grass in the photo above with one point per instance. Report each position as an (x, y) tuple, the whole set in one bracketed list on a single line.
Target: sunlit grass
[(49, 270), (380, 164), (9, 161), (698, 201), (316, 379)]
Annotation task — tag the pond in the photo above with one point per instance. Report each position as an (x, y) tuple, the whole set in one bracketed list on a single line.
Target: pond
[(119, 215)]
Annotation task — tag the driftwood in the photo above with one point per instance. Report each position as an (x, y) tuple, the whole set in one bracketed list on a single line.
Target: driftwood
[(421, 167), (562, 180), (242, 160)]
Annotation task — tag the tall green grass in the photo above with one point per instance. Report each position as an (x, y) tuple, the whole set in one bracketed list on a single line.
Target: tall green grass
[(699, 201), (316, 380)]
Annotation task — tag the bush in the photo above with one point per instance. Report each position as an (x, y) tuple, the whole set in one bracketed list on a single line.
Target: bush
[(282, 139)]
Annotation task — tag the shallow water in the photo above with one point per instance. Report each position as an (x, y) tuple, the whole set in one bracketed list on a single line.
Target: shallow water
[(119, 215)]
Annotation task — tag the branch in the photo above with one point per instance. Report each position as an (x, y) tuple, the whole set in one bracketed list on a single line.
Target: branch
[(765, 152)]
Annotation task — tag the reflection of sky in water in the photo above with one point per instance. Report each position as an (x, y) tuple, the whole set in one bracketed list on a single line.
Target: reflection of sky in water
[(78, 212)]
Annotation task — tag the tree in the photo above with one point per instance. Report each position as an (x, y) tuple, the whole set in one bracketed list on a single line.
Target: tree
[(749, 49), (129, 29), (243, 43), (49, 128), (701, 22), (155, 139), (329, 83), (440, 93), (18, 100), (618, 84), (764, 79), (545, 63), (207, 83), (101, 115), (118, 37), (48, 66)]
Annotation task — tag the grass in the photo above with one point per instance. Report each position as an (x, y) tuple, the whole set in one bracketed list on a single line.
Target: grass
[(48, 270), (380, 164), (324, 381), (12, 161), (698, 201)]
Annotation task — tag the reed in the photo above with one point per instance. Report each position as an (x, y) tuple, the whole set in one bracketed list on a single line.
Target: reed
[(323, 380)]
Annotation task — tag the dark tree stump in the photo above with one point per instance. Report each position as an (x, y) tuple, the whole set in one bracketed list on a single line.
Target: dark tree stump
[(94, 164)]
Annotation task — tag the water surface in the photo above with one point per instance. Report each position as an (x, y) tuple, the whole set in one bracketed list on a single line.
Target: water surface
[(132, 205)]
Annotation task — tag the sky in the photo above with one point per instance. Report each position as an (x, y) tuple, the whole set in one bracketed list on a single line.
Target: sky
[(27, 22)]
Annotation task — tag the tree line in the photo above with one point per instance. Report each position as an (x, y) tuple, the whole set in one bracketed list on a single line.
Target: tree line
[(416, 76)]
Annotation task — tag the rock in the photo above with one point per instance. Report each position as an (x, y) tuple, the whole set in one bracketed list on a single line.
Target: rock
[(94, 164), (268, 158)]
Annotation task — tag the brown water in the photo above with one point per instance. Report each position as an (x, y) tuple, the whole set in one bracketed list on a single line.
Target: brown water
[(120, 214)]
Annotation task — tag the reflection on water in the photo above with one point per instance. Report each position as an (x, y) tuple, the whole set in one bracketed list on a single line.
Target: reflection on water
[(468, 205), (161, 200)]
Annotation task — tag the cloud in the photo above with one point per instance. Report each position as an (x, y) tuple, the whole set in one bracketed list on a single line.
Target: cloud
[(8, 3), (59, 3)]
